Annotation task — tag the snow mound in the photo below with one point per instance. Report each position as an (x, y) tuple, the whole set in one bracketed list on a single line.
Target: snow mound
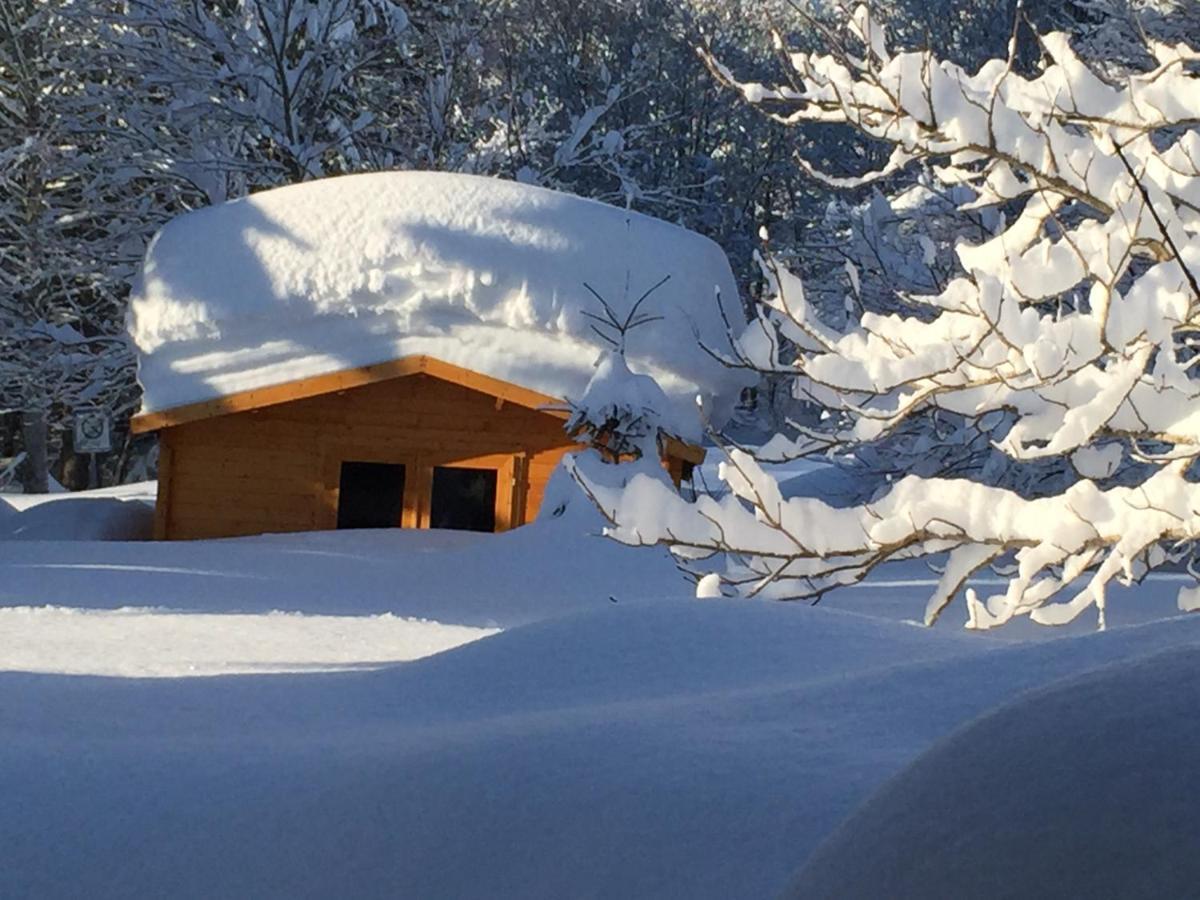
[(1083, 789), (453, 577), (662, 649), (142, 491), (483, 273), (625, 752), (94, 519), (124, 513)]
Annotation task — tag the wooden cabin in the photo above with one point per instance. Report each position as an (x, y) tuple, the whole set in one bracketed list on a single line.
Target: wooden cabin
[(412, 443), (393, 349)]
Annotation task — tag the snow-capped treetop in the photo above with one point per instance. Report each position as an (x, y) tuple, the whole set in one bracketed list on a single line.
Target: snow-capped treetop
[(621, 411), (491, 275)]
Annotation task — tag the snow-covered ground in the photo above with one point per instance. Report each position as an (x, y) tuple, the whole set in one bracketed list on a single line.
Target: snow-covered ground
[(541, 713), (125, 512), (1086, 788), (141, 492), (145, 642)]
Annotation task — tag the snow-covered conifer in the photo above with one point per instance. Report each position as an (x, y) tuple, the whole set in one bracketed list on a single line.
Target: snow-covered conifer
[(620, 412)]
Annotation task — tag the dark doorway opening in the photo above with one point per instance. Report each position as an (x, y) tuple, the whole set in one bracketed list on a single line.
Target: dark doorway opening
[(464, 499), (370, 495)]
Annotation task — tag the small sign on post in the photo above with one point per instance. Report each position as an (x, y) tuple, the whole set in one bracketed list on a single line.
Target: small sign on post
[(93, 431)]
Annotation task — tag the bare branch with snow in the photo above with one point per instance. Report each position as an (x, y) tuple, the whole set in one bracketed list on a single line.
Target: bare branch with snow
[(1073, 321)]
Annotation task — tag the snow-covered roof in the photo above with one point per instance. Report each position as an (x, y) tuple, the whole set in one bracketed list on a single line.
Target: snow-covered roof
[(482, 273)]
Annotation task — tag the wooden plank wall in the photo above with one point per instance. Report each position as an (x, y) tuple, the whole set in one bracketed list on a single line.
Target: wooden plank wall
[(541, 466), (276, 469)]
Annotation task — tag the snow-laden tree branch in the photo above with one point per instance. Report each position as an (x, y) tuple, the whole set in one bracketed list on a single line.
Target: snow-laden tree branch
[(1075, 321), (65, 235), (1073, 314)]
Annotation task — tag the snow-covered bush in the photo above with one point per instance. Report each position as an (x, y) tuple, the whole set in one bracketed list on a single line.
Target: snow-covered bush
[(1074, 321)]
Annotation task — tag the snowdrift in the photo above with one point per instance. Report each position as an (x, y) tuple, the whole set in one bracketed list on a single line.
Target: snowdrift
[(679, 749), (623, 752), (453, 577), (486, 274), (1083, 789), (124, 513), (618, 739)]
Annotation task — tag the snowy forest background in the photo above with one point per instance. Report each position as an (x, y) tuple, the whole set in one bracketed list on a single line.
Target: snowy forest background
[(118, 114)]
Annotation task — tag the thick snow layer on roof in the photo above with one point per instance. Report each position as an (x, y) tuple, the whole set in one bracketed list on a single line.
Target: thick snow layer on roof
[(486, 274)]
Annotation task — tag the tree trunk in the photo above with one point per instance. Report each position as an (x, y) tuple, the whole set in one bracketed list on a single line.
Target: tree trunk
[(73, 468), (35, 471)]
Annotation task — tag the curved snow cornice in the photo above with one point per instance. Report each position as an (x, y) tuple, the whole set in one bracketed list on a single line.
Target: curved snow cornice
[(483, 273)]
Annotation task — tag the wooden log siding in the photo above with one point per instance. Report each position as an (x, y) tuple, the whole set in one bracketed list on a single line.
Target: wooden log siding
[(277, 468), (269, 460)]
